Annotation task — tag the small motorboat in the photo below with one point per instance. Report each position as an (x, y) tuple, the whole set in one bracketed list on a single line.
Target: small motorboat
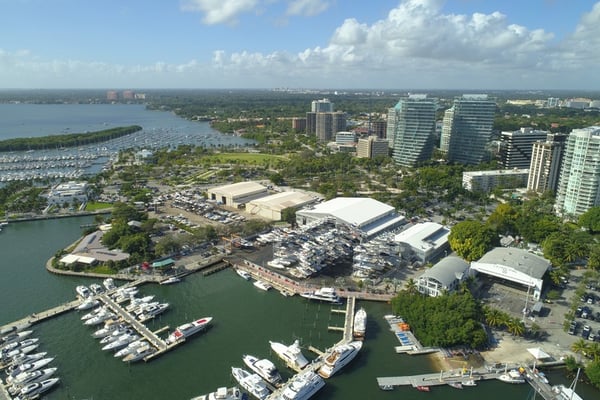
[(421, 388)]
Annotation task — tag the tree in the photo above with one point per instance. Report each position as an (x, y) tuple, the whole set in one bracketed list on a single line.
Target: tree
[(502, 220), (590, 220), (592, 370), (411, 286), (594, 258), (580, 346), (472, 239)]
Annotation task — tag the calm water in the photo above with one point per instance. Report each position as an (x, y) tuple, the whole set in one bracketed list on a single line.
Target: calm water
[(245, 319)]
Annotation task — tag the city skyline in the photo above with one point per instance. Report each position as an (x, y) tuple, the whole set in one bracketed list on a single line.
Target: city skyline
[(428, 44)]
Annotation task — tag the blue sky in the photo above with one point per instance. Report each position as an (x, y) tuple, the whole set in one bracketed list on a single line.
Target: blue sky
[(383, 44)]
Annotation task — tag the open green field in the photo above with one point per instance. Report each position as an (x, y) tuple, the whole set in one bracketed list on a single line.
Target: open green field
[(95, 206), (243, 158)]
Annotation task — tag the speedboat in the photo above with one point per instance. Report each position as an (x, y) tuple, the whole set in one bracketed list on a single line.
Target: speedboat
[(186, 330), (512, 376), (262, 285), (14, 337), (264, 368), (243, 274), (327, 294), (421, 388), (253, 383), (290, 354), (109, 284), (88, 303), (130, 348), (302, 386), (35, 389), (121, 341), (29, 377), (170, 280), (153, 312), (83, 291), (339, 357), (28, 367), (223, 393), (360, 323), (140, 353)]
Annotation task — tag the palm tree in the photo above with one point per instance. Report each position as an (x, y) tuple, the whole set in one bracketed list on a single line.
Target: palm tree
[(411, 286), (494, 317), (581, 346), (515, 327)]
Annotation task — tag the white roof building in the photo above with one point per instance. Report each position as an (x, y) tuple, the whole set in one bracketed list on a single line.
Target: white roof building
[(427, 241), (369, 216), (272, 206), (68, 192), (445, 276), (515, 265), (237, 194)]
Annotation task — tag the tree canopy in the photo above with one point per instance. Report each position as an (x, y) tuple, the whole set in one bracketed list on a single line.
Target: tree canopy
[(472, 239), (590, 220)]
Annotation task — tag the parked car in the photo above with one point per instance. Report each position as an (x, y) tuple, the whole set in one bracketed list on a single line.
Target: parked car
[(572, 328), (586, 331)]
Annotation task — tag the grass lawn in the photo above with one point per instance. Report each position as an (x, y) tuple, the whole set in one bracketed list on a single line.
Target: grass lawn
[(95, 206), (243, 158)]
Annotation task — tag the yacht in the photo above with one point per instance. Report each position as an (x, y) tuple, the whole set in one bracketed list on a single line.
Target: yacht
[(566, 393), (14, 337), (18, 345), (264, 368), (323, 294), (33, 390), (124, 330), (93, 313), (87, 304), (29, 377), (223, 393), (262, 285), (28, 367), (121, 342), (108, 329), (152, 312), (96, 288), (302, 386), (253, 383), (512, 376), (20, 352), (109, 284), (186, 330), (100, 318), (83, 291), (360, 323), (339, 357), (243, 274), (130, 348), (140, 353), (25, 358), (170, 280), (290, 354), (141, 308), (137, 302)]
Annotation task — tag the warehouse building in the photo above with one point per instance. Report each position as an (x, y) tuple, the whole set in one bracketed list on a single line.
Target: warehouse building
[(271, 207), (237, 195), (424, 242)]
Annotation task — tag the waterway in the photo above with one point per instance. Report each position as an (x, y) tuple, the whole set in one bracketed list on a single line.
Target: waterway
[(245, 319)]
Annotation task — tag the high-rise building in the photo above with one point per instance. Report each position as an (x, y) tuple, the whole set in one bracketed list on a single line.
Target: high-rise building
[(371, 147), (579, 182), (378, 128), (546, 157), (299, 124), (323, 105), (391, 126), (516, 147), (328, 124), (311, 123), (415, 128), (446, 129), (472, 119)]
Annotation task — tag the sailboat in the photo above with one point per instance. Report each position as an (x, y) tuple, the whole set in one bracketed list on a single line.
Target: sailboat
[(568, 393)]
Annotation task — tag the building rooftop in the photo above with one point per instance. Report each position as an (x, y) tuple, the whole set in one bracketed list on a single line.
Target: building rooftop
[(497, 172), (283, 200), (425, 235), (518, 259), (355, 211), (240, 188), (447, 270)]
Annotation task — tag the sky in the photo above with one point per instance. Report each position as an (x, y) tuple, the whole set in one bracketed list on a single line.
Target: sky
[(300, 44)]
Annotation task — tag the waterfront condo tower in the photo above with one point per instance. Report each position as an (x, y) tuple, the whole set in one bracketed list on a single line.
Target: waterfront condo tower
[(579, 182), (546, 157), (469, 128), (414, 137)]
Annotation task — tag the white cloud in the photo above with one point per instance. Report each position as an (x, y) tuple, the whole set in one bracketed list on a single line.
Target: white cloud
[(307, 8), (220, 11)]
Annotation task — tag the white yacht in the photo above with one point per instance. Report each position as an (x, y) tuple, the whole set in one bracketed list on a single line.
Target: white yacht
[(302, 386), (291, 354), (83, 291), (108, 329), (13, 337), (96, 288), (171, 280), (243, 274), (141, 308), (88, 303), (327, 294), (109, 284), (29, 367), (264, 368), (135, 303), (121, 342), (18, 345), (253, 383), (262, 285), (130, 348), (100, 318), (20, 352), (512, 376), (339, 358), (360, 323), (186, 330), (223, 393), (35, 389), (26, 378), (25, 358), (140, 353), (152, 312)]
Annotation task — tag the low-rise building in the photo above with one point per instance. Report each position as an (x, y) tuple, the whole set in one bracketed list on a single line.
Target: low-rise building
[(237, 194), (271, 207), (486, 181), (443, 277), (68, 193), (426, 241)]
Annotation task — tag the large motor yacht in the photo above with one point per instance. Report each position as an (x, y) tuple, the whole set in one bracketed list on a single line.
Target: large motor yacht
[(339, 358), (253, 383), (223, 393), (302, 386), (263, 367), (327, 294), (186, 330), (360, 324), (34, 390), (291, 354)]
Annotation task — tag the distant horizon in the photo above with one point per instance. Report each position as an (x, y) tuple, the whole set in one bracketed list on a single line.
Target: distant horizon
[(254, 44)]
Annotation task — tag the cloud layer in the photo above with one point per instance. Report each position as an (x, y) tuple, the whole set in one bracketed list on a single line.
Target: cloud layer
[(417, 45)]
